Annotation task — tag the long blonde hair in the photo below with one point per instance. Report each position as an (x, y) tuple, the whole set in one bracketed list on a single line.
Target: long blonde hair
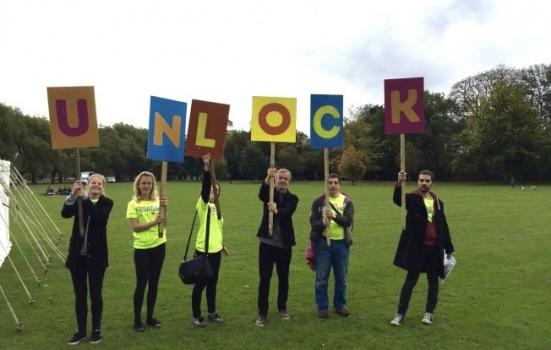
[(136, 187), (101, 177)]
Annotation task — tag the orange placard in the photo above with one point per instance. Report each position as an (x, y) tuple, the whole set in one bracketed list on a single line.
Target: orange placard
[(207, 129), (73, 117)]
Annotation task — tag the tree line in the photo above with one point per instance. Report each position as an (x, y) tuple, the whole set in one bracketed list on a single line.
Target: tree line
[(492, 126)]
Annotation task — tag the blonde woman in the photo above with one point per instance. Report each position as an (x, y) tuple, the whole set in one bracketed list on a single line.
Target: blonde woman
[(87, 258), (149, 248)]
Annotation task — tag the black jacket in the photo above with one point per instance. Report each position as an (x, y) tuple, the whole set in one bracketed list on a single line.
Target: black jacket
[(98, 214), (316, 221), (286, 206), (409, 253)]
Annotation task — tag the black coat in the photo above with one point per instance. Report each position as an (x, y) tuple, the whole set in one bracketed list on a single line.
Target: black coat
[(98, 214), (286, 206), (409, 254)]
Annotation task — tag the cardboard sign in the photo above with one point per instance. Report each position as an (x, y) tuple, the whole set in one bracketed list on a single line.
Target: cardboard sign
[(404, 106), (326, 121), (73, 117), (167, 129), (274, 119), (207, 129)]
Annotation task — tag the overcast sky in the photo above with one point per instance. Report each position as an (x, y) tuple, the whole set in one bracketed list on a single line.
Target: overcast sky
[(228, 51)]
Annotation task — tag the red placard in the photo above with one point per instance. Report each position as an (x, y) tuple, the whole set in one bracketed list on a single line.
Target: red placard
[(207, 129), (404, 106)]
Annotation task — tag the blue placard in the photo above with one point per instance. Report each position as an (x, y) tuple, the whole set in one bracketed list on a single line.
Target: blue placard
[(326, 121), (167, 129)]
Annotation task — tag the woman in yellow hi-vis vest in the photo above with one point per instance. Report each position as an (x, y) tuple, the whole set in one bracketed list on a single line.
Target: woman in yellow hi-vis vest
[(149, 246)]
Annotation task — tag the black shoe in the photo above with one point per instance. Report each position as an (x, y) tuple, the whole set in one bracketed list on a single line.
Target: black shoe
[(138, 327), (77, 338), (95, 337), (343, 312), (154, 323), (199, 322), (214, 317)]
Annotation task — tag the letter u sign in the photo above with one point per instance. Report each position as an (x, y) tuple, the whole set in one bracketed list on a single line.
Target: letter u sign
[(73, 117)]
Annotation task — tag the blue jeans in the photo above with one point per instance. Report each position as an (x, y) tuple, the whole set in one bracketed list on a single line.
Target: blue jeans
[(335, 256)]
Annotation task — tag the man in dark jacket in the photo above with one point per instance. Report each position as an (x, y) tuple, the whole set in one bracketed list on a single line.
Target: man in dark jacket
[(331, 220), (275, 246), (422, 243)]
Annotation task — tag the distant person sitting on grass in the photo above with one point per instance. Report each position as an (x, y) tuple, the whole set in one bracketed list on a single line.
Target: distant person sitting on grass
[(422, 243), (205, 206), (87, 258)]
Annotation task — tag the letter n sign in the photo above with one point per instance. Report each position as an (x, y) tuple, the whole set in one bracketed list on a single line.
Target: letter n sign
[(404, 106), (73, 117), (167, 128)]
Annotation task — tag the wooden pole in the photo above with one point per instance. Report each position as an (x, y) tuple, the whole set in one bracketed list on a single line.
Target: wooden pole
[(272, 185), (162, 209), (79, 200), (215, 190), (326, 179), (403, 185)]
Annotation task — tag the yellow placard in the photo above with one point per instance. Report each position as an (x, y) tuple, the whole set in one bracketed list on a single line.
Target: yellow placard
[(274, 119)]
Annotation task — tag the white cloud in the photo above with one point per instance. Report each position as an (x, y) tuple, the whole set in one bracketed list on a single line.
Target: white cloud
[(227, 52)]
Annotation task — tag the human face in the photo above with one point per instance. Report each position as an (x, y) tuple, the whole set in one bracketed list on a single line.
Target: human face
[(334, 186), (95, 186), (424, 183), (282, 180), (145, 185)]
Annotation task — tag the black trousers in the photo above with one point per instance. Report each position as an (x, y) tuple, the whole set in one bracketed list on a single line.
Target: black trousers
[(430, 264), (83, 275), (268, 256), (214, 260), (148, 263)]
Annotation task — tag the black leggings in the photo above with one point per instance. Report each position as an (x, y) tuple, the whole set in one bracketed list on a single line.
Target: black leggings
[(84, 274), (149, 263), (214, 260)]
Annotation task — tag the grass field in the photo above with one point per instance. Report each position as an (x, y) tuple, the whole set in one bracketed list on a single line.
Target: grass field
[(497, 298)]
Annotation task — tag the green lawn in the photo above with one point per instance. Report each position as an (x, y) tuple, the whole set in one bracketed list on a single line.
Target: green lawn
[(497, 298)]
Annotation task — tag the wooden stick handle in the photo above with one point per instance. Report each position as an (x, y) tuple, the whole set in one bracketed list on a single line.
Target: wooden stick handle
[(326, 179), (272, 185), (162, 209), (403, 189), (79, 199), (213, 181)]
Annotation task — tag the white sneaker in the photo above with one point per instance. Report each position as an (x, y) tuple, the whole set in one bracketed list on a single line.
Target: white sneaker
[(397, 320), (427, 319)]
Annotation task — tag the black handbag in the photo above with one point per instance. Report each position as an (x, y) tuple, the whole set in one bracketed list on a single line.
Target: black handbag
[(198, 269)]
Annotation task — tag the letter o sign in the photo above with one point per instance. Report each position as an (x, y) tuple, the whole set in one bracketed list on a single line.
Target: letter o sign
[(263, 118)]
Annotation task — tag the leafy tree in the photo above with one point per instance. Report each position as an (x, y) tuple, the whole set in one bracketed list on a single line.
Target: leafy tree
[(352, 164)]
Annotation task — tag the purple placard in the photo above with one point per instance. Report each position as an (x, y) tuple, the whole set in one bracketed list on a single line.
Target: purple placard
[(404, 106)]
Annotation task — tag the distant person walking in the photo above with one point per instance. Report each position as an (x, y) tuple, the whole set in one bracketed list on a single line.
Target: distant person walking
[(87, 258), (205, 207), (422, 243), (149, 248), (332, 220), (275, 249)]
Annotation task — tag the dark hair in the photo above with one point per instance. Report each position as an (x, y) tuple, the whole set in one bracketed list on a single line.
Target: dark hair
[(333, 176), (426, 172)]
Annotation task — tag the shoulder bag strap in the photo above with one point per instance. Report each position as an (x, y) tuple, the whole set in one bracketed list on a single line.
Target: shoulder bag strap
[(190, 233)]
